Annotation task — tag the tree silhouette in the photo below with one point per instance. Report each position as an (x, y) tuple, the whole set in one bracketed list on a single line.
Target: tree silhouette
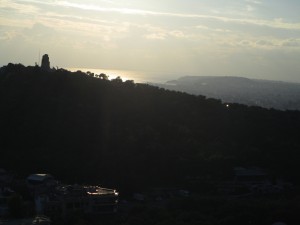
[(103, 76)]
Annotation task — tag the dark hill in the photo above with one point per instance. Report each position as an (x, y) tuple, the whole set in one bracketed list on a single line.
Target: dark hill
[(128, 135)]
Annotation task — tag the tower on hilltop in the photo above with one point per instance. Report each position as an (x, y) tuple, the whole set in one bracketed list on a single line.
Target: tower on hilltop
[(45, 62)]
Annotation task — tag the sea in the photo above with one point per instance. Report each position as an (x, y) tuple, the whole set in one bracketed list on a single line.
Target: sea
[(136, 76)]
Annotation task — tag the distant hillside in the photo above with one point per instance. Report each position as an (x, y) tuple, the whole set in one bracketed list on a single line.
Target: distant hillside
[(85, 128), (267, 94)]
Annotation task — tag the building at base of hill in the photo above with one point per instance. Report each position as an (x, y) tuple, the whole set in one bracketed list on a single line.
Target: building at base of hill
[(67, 200), (63, 201)]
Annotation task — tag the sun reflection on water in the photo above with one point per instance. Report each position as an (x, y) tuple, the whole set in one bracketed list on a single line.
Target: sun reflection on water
[(137, 76)]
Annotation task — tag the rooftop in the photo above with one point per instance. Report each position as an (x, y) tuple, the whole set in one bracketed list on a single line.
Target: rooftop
[(39, 177), (81, 190)]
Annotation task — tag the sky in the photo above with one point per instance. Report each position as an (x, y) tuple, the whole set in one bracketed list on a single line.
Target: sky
[(250, 38)]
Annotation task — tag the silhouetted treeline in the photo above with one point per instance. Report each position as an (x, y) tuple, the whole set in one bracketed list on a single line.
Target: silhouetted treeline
[(121, 134)]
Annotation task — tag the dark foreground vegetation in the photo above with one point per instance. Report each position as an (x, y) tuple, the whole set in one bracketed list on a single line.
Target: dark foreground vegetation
[(135, 136)]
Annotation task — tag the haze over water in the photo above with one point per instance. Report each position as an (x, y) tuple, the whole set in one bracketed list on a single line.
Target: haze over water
[(137, 76)]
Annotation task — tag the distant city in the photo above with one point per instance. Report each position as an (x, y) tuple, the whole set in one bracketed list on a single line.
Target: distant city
[(251, 92)]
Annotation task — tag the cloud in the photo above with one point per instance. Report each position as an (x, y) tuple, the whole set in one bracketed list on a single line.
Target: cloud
[(202, 27), (276, 23), (166, 34), (257, 2), (19, 7), (14, 22), (99, 27), (266, 43), (295, 42), (249, 8), (8, 35), (178, 34), (156, 36)]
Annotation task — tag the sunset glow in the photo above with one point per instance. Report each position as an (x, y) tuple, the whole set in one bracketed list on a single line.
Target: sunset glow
[(251, 38)]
